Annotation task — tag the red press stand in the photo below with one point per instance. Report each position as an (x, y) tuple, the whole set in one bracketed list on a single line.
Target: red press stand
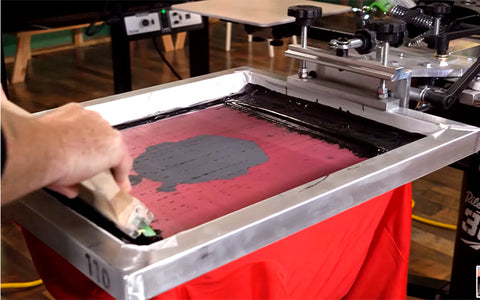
[(361, 253)]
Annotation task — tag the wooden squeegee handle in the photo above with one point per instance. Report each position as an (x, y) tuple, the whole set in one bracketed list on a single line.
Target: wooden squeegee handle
[(127, 212)]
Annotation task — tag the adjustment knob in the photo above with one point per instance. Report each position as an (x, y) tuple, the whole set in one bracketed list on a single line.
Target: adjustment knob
[(389, 30), (387, 26), (438, 10), (145, 22), (368, 38), (305, 15)]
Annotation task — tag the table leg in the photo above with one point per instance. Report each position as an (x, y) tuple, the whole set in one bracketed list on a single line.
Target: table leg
[(198, 44), (122, 75)]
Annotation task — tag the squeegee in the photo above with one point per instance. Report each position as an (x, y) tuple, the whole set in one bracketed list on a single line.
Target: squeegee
[(128, 213)]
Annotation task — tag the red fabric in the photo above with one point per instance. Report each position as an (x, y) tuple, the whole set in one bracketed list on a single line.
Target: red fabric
[(361, 253)]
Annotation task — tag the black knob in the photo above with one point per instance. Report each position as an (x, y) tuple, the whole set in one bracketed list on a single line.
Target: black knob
[(145, 22), (305, 15), (438, 10), (368, 39), (387, 26), (389, 30)]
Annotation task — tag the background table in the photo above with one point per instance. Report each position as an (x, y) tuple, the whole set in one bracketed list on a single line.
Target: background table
[(264, 13)]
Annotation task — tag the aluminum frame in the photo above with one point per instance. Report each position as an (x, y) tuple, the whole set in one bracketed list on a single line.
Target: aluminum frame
[(129, 271)]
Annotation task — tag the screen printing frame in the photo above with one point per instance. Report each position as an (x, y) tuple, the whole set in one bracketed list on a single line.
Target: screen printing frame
[(128, 271)]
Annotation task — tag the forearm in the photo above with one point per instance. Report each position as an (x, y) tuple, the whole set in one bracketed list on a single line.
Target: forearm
[(28, 164)]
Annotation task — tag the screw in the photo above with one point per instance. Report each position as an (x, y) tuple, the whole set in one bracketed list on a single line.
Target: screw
[(382, 92)]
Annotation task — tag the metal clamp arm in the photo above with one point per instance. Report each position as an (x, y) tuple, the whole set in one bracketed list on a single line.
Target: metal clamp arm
[(446, 98), (443, 39)]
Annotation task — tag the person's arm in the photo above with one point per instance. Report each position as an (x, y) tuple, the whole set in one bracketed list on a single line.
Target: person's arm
[(58, 149)]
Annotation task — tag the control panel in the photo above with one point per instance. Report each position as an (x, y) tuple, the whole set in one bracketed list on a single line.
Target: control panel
[(142, 23), (160, 21), (180, 19)]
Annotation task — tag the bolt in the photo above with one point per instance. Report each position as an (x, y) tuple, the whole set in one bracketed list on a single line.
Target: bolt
[(382, 92), (303, 73)]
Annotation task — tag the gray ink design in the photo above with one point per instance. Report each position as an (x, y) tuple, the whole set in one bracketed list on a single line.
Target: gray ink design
[(197, 159)]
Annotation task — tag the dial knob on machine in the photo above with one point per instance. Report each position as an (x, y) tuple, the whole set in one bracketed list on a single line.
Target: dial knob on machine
[(145, 22), (389, 30), (305, 15), (437, 9), (387, 26)]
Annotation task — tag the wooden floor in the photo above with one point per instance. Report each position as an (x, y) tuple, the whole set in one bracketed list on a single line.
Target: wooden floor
[(86, 73)]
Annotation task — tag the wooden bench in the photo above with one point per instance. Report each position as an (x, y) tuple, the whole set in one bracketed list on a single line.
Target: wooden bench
[(24, 52)]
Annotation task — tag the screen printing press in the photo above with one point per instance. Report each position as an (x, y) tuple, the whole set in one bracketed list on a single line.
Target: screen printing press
[(226, 178), (262, 186)]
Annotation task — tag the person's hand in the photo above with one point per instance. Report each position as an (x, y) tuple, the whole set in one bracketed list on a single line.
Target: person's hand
[(58, 150), (87, 145)]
